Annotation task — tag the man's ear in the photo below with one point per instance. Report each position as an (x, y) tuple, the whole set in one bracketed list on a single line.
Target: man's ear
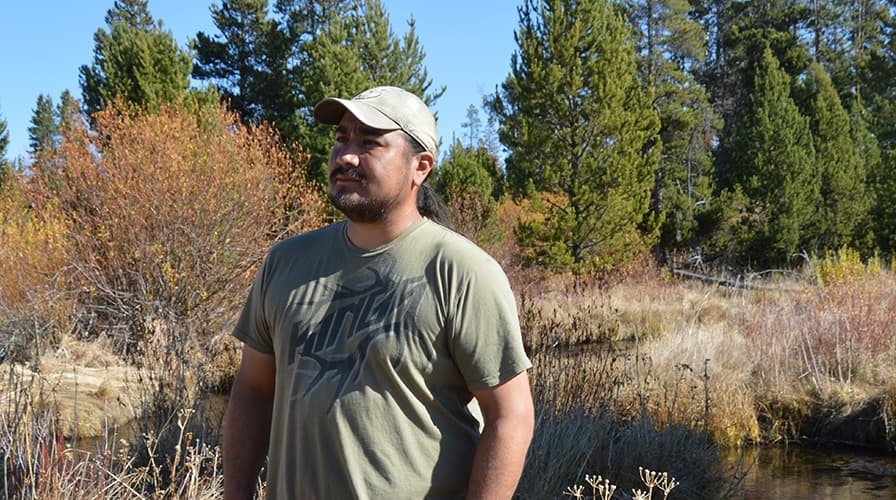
[(423, 164)]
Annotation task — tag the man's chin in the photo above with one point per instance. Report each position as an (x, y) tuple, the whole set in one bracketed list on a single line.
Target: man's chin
[(344, 195), (356, 208)]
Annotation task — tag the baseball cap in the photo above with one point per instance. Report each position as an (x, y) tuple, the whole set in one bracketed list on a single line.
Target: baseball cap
[(385, 108)]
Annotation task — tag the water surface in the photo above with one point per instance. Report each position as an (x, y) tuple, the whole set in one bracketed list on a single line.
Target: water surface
[(800, 473)]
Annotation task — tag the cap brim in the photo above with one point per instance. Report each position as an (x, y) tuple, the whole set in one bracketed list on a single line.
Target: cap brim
[(330, 112)]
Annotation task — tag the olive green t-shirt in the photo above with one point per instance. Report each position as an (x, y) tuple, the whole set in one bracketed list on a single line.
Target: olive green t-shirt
[(377, 352)]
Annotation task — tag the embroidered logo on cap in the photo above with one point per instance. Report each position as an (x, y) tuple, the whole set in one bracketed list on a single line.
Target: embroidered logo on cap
[(370, 94)]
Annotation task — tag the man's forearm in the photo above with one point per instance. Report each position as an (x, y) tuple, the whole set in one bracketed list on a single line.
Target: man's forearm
[(499, 458), (246, 435)]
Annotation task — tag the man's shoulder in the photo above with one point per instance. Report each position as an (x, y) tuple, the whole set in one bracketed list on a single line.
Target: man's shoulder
[(311, 241), (444, 238), (448, 245)]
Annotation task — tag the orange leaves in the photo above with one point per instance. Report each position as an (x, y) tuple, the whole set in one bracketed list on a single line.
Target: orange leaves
[(167, 211)]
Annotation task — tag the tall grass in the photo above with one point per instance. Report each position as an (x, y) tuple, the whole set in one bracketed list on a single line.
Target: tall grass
[(825, 358), (39, 461), (607, 404)]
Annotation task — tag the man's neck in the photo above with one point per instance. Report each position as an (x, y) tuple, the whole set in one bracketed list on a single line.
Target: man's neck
[(376, 234)]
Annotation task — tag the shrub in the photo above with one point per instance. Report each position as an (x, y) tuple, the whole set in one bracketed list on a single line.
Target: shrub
[(33, 254), (843, 266), (168, 214)]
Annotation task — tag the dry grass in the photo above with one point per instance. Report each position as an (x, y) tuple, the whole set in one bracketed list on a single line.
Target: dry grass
[(825, 360), (608, 403), (676, 364), (654, 307), (826, 337), (568, 444), (121, 272), (39, 462)]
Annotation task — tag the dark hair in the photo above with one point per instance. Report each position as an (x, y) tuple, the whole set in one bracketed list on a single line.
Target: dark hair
[(431, 206), (429, 203)]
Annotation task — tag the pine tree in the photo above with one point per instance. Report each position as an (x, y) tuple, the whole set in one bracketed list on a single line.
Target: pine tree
[(854, 38), (5, 167), (739, 32), (247, 61), (671, 46), (4, 140), (69, 113), (466, 180), (882, 184), (473, 126), (43, 133), (50, 124), (354, 51), (844, 203), (136, 60), (879, 95), (866, 152), (774, 166), (581, 135)]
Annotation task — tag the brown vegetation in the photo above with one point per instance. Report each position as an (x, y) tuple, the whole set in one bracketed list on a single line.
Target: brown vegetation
[(138, 239), (124, 259)]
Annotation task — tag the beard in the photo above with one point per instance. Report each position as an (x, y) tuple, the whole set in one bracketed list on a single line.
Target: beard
[(358, 208)]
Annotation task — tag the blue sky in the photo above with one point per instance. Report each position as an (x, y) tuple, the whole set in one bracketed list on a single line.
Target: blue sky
[(468, 45)]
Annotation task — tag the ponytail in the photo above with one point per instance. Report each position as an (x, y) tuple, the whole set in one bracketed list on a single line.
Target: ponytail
[(431, 206)]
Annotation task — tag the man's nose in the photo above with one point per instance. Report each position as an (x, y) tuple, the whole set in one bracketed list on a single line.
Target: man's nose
[(347, 155)]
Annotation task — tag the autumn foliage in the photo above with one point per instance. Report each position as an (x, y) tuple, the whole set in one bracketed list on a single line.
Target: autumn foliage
[(150, 219)]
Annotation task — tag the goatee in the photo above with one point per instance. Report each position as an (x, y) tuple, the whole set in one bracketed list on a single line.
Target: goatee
[(358, 208)]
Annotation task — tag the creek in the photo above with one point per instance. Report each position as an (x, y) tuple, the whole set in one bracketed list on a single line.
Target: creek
[(812, 473)]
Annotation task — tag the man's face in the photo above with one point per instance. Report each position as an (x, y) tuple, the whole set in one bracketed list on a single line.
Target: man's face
[(370, 171)]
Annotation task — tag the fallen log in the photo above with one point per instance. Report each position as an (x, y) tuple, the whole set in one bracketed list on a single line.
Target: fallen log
[(740, 282)]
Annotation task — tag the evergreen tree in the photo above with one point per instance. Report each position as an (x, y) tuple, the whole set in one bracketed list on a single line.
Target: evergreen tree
[(50, 124), (466, 180), (136, 60), (69, 113), (878, 94), (473, 126), (304, 20), (855, 37), (826, 24), (882, 184), (43, 133), (671, 46), (485, 137), (4, 140), (581, 135), (741, 31), (5, 167), (354, 51), (774, 166), (844, 203), (466, 169), (869, 232), (247, 61)]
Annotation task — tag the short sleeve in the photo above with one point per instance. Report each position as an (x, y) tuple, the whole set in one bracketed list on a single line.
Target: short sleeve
[(486, 343), (252, 327)]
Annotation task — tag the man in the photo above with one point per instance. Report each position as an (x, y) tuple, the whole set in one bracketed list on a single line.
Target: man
[(372, 344)]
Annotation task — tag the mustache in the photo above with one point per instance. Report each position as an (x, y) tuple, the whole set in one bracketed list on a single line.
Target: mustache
[(354, 173)]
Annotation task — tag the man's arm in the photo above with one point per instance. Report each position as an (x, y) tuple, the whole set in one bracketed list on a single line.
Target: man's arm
[(509, 420), (247, 424)]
